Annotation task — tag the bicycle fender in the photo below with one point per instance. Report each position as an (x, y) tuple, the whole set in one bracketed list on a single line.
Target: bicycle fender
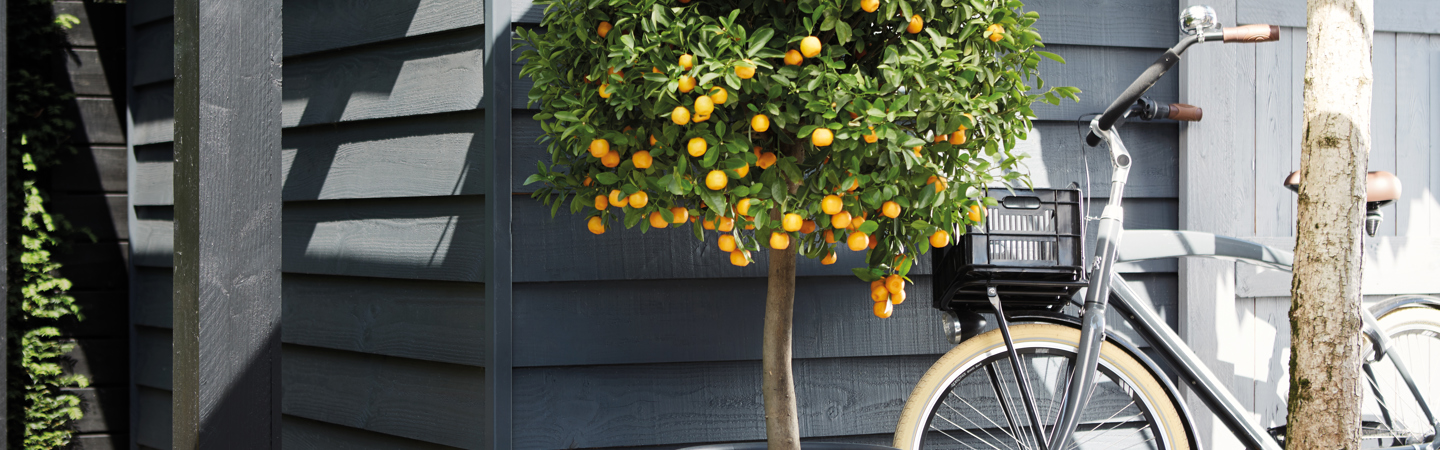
[(1155, 244)]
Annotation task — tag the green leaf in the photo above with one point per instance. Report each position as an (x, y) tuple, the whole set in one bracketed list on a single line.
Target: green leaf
[(1051, 56), (864, 274), (870, 226), (567, 116), (607, 178), (842, 32), (758, 40), (532, 179)]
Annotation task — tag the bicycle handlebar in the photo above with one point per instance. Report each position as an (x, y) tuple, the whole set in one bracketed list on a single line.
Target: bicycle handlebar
[(1152, 74)]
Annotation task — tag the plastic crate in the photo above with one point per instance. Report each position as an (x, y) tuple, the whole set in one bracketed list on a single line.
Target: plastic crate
[(1030, 247)]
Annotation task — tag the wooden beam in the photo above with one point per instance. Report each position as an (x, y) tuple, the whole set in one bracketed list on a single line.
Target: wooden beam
[(227, 225), (4, 231), (499, 358)]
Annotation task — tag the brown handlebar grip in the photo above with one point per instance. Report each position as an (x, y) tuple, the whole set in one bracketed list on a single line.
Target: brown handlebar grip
[(1188, 113), (1252, 33)]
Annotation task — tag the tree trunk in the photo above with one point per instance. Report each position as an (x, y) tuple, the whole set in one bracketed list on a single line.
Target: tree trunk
[(1325, 383), (782, 424)]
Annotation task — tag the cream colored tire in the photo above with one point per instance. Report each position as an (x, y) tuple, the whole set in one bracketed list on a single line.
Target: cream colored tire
[(965, 359)]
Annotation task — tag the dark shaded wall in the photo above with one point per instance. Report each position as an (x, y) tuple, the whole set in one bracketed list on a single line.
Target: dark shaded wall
[(89, 189)]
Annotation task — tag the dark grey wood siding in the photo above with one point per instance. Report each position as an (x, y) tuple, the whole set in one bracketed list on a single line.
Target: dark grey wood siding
[(382, 150), (624, 340)]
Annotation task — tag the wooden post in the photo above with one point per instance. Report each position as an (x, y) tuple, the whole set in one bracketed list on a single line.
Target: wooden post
[(4, 230), (499, 358), (227, 224)]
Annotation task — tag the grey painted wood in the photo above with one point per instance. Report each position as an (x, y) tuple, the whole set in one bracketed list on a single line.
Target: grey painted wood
[(1394, 265), (153, 55), (498, 422), (1406, 16), (428, 401), (425, 156), (150, 296), (100, 359), (143, 11), (99, 168), (1413, 120), (91, 267), (301, 433), (154, 175), (228, 227), (434, 238), (103, 408), (1382, 116), (106, 314), (317, 25), (152, 243), (87, 74), (427, 320), (635, 405), (152, 111), (100, 122), (153, 362), (100, 441), (102, 214), (419, 75), (152, 420)]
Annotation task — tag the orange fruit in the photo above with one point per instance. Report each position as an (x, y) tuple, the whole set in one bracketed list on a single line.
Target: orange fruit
[(725, 224), (822, 137), (890, 209), (687, 61), (840, 220), (653, 140), (587, 181), (940, 137), (642, 159), (657, 220), (655, 69), (701, 118), (894, 283), (831, 204), (596, 225), (997, 32), (829, 236), (810, 46), (708, 224), (976, 213), (639, 199), (937, 181), (869, 5), (856, 222), (686, 84), (793, 58), (897, 297), (618, 73), (619, 199), (743, 207), (873, 243), (884, 309), (742, 171), (718, 95), (603, 92), (740, 258), (767, 159), (599, 147), (879, 294), (610, 160), (760, 123), (680, 115), (716, 180), (779, 241), (916, 24), (807, 227), (791, 222), (704, 106), (726, 243), (743, 72), (851, 184), (604, 29), (957, 137), (872, 137), (917, 150), (940, 239), (697, 147), (601, 202), (829, 259), (858, 241)]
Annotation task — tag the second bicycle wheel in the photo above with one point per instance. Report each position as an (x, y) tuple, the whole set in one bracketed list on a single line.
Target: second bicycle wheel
[(1391, 415), (971, 399)]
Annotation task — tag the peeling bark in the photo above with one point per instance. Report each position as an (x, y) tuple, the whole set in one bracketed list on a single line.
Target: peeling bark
[(1325, 382)]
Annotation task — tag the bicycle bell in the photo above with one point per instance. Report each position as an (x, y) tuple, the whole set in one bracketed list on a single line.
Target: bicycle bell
[(1198, 19)]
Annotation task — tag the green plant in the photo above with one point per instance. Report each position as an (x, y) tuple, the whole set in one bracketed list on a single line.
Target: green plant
[(41, 413), (763, 112)]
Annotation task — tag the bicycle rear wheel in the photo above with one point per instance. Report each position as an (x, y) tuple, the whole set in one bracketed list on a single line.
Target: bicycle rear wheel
[(1389, 411), (970, 398)]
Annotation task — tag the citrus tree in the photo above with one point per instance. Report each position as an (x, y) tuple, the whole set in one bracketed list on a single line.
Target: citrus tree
[(802, 127)]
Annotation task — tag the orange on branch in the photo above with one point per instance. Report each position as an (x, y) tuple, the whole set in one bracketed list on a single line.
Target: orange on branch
[(976, 213), (870, 5), (831, 204), (742, 207), (704, 106), (680, 115), (766, 160), (890, 209), (725, 224), (718, 96), (884, 309), (708, 223), (740, 258), (642, 159), (872, 137), (822, 137), (760, 123), (687, 61), (743, 72), (657, 220), (599, 147), (686, 83), (840, 220), (807, 227), (610, 160), (793, 58), (604, 90), (601, 202), (596, 225), (894, 283), (779, 241), (897, 297), (726, 242), (792, 222), (916, 24), (604, 29), (697, 147), (679, 214), (958, 137), (879, 294), (829, 259), (810, 46), (858, 241), (639, 199), (716, 180), (829, 236), (619, 199)]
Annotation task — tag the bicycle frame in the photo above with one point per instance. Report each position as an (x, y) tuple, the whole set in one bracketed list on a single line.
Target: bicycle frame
[(1153, 244)]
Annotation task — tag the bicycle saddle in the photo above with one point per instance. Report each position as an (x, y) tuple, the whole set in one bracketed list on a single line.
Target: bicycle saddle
[(1380, 186)]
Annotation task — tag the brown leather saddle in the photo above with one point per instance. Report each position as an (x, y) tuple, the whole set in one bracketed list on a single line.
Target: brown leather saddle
[(1381, 188)]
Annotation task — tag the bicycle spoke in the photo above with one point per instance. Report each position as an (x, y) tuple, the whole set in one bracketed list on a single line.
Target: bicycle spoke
[(977, 411), (1107, 419), (961, 428)]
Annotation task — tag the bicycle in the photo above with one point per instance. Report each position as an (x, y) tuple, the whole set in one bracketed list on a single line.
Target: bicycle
[(1026, 266)]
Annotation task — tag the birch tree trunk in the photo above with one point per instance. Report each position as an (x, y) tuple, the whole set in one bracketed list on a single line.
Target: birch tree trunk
[(1324, 406)]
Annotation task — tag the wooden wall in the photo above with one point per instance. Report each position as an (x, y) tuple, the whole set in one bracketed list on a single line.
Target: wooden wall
[(629, 341), (1237, 313), (89, 189), (383, 308)]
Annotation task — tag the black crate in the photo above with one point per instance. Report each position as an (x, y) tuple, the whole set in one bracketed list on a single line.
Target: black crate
[(1030, 248)]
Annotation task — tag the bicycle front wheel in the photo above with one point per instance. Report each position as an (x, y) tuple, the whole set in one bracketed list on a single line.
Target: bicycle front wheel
[(971, 399), (1390, 411)]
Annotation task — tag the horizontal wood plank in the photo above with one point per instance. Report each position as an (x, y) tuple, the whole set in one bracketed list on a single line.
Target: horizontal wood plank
[(317, 25), (153, 418), (434, 238), (153, 242), (152, 57), (636, 405), (154, 182), (105, 314), (305, 434), (1394, 265), (118, 440), (1404, 16), (143, 11), (432, 155), (152, 107), (100, 121), (428, 320), (152, 297), (153, 360), (91, 169), (104, 409), (87, 73), (94, 267), (102, 214), (102, 360), (421, 75), (428, 401)]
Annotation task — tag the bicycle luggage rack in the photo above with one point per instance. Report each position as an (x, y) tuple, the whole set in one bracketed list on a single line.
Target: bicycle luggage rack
[(1030, 247)]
